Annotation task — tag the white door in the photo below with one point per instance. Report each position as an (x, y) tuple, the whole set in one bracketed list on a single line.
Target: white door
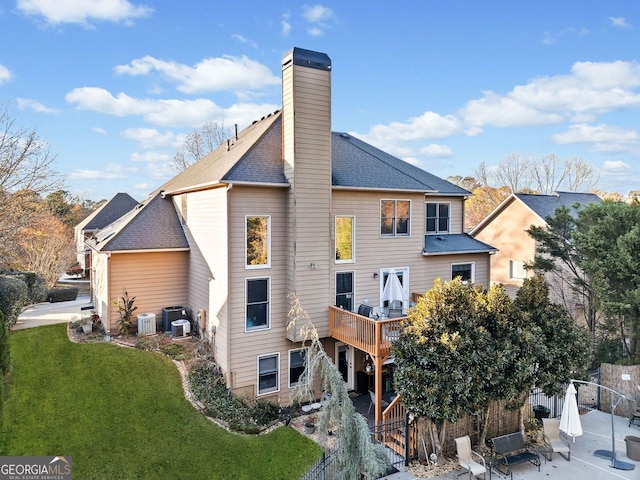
[(344, 362)]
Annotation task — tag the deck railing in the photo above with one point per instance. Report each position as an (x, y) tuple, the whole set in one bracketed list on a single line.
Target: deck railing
[(367, 334)]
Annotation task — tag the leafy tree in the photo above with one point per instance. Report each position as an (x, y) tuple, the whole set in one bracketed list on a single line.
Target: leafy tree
[(564, 348), (608, 235), (199, 143), (355, 451), (596, 253), (46, 247), (462, 348)]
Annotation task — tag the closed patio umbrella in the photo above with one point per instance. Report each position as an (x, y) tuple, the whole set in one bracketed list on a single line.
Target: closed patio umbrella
[(570, 419), (393, 289)]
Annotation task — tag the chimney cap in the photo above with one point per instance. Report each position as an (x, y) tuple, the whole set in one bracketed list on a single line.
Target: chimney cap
[(307, 58)]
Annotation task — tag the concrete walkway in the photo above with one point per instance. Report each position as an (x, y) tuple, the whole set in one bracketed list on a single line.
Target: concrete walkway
[(49, 313), (583, 465)]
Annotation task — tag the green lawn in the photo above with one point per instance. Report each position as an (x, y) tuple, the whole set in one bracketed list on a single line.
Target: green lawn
[(121, 413)]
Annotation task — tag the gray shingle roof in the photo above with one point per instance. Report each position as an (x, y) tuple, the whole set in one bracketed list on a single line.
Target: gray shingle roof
[(454, 243), (120, 204), (360, 165), (153, 225), (546, 205), (256, 157)]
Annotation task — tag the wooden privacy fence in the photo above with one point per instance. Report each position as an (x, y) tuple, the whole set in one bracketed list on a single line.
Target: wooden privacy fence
[(501, 422)]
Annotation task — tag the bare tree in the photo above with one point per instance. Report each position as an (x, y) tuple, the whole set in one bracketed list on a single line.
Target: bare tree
[(199, 143), (26, 173), (25, 160), (543, 175), (551, 174)]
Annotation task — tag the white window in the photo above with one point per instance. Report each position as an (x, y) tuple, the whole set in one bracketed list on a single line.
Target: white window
[(344, 290), (437, 217), (345, 236), (297, 366), (257, 304), (258, 241), (395, 218), (466, 272), (517, 270), (403, 276), (268, 373)]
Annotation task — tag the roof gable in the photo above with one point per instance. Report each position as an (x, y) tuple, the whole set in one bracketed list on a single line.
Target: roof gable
[(120, 204), (153, 225), (546, 205)]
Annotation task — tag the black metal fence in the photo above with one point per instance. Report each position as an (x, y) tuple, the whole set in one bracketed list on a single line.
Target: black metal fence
[(325, 469), (588, 398)]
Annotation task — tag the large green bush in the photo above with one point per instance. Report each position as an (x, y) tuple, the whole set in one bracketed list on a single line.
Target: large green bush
[(14, 295), (209, 387), (4, 348), (36, 284)]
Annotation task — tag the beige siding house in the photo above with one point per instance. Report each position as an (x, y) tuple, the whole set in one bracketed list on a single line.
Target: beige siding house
[(289, 207), (506, 229)]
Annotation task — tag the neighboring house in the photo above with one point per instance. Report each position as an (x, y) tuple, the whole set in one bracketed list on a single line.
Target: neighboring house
[(107, 213), (506, 229), (288, 207)]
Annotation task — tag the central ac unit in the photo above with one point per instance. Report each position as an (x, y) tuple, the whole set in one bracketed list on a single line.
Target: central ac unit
[(146, 324)]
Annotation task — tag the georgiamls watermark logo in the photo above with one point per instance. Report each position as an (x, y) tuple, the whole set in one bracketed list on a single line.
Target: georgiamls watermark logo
[(35, 468)]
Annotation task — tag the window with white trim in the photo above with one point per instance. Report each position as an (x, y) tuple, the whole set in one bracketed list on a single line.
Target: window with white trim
[(344, 290), (297, 366), (517, 270), (466, 272), (395, 218), (258, 241), (403, 276), (345, 236), (437, 217), (268, 373), (257, 303)]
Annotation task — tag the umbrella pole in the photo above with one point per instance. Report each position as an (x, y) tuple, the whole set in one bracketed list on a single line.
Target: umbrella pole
[(615, 463)]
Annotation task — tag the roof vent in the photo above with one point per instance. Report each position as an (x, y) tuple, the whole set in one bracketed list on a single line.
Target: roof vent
[(345, 135)]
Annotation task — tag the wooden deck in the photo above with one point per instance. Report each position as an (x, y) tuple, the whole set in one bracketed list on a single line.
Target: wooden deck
[(371, 336)]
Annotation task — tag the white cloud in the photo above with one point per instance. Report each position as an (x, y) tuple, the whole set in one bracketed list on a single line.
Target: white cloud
[(5, 74), (604, 137), (243, 39), (209, 75), (319, 18), (150, 157), (150, 137), (111, 171), (83, 11), (286, 26), (590, 89), (619, 22), (617, 167), (551, 38), (427, 125), (26, 103), (433, 150), (176, 113), (100, 131)]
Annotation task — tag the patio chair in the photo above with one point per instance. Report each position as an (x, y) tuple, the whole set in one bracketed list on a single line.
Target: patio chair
[(635, 412), (551, 431), (372, 396), (465, 458)]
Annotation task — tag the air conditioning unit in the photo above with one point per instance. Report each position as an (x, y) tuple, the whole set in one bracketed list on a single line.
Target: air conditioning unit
[(146, 324), (180, 328)]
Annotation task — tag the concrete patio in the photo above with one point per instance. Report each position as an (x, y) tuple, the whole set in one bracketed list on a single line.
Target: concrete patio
[(583, 465)]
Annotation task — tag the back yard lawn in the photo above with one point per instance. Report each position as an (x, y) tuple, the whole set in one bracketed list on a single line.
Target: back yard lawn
[(121, 413)]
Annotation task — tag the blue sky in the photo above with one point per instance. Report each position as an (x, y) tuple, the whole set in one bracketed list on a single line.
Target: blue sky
[(114, 85)]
